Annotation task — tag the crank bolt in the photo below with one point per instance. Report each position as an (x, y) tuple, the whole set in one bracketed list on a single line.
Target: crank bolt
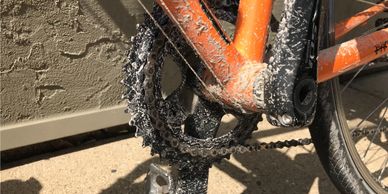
[(286, 119)]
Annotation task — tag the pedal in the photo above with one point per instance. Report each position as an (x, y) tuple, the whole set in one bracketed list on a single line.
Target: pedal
[(158, 181)]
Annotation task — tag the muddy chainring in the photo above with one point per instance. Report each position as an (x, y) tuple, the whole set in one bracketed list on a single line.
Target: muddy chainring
[(159, 119)]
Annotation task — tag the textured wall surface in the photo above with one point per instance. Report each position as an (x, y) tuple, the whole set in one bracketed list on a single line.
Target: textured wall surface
[(62, 56)]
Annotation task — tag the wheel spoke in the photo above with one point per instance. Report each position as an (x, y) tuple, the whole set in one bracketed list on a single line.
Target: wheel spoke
[(383, 25), (354, 77), (369, 115), (375, 133), (370, 3), (383, 167)]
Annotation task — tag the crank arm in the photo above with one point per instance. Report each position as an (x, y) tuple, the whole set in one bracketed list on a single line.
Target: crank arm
[(158, 181)]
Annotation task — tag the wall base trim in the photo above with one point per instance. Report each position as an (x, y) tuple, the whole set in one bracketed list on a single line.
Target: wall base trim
[(26, 133)]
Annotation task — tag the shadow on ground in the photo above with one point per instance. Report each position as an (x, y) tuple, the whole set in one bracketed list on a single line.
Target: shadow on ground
[(30, 186)]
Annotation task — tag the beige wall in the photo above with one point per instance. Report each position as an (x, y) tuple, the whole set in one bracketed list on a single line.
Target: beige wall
[(62, 56)]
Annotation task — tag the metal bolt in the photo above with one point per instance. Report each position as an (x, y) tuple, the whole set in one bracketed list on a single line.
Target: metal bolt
[(286, 119)]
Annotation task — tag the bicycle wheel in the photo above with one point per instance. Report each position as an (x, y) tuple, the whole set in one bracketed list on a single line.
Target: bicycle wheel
[(350, 133)]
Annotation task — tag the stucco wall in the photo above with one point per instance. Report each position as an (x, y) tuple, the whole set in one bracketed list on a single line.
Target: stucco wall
[(62, 56)]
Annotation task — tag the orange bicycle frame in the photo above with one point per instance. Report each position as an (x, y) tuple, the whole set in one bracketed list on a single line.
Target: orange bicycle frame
[(349, 55), (234, 65)]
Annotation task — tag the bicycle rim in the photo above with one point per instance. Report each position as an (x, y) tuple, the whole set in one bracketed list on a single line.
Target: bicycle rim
[(368, 153)]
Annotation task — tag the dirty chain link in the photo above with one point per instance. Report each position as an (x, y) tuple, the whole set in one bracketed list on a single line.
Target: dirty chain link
[(240, 149)]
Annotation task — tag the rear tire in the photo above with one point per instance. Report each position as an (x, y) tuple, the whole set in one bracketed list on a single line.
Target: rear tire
[(330, 143), (330, 132)]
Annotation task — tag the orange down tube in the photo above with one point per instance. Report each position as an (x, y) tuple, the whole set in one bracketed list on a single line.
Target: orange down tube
[(349, 24), (234, 73), (337, 60), (252, 28)]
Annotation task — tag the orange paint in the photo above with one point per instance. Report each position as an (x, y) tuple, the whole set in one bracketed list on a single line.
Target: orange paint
[(252, 28), (230, 75), (349, 24), (221, 58), (337, 60)]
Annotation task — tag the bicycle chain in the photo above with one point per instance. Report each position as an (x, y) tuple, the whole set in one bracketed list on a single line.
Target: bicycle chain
[(240, 149)]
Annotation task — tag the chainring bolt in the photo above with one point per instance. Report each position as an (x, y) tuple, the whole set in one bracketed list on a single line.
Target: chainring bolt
[(286, 119)]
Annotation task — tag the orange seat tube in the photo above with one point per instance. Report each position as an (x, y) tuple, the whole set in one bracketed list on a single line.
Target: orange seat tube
[(337, 60), (252, 28)]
